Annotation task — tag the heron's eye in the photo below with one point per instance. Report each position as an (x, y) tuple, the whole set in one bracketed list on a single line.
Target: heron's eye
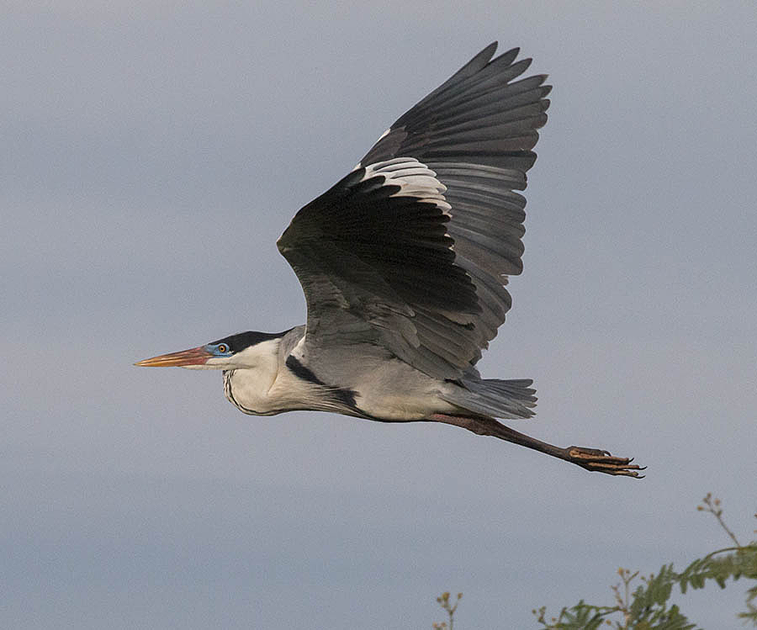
[(223, 348)]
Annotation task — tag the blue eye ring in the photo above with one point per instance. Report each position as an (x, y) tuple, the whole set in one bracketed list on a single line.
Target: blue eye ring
[(222, 348)]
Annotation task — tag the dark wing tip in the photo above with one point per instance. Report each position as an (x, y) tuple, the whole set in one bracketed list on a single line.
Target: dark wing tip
[(489, 50)]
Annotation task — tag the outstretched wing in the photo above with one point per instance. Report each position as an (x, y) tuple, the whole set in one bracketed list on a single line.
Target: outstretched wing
[(412, 249)]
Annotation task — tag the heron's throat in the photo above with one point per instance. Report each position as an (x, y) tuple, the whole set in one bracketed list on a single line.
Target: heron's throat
[(249, 379)]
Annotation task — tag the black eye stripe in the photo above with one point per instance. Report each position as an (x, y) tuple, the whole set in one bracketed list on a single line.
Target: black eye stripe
[(240, 341)]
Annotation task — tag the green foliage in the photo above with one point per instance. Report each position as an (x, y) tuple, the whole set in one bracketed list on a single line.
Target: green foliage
[(647, 606), (582, 615)]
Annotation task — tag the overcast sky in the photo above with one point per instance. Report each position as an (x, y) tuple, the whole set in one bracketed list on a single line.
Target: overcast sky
[(153, 151)]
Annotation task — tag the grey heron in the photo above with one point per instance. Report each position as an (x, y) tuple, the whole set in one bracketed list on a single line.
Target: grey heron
[(404, 264)]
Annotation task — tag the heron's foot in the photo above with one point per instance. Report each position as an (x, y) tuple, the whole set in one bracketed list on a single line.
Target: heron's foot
[(601, 461)]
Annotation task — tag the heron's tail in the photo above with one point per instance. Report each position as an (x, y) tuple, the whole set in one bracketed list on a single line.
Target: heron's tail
[(495, 397)]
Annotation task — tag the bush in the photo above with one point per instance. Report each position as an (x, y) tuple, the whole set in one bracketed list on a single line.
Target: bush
[(644, 605)]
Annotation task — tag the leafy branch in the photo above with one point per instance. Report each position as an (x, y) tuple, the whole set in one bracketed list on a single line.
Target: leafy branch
[(642, 602), (647, 608)]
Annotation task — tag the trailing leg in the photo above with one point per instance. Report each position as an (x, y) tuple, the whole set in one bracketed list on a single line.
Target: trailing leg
[(589, 458)]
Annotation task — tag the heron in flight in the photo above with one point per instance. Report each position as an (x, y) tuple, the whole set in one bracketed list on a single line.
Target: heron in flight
[(404, 264)]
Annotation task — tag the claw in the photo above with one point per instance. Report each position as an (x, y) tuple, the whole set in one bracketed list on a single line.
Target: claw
[(602, 461)]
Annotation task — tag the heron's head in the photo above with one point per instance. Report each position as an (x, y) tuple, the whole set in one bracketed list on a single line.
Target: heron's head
[(243, 350)]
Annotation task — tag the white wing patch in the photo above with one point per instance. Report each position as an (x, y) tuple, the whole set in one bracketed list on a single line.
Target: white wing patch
[(414, 178)]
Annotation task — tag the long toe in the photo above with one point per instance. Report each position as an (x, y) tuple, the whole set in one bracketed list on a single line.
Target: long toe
[(602, 461)]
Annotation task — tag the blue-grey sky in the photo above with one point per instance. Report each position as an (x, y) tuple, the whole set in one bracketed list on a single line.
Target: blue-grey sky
[(153, 151)]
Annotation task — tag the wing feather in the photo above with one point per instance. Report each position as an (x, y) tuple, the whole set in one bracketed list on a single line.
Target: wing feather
[(412, 249)]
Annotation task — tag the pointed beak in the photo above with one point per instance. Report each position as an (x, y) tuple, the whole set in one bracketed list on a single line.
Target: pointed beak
[(193, 356)]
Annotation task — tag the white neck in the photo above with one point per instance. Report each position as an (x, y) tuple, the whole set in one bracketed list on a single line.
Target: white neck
[(259, 383), (250, 375)]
